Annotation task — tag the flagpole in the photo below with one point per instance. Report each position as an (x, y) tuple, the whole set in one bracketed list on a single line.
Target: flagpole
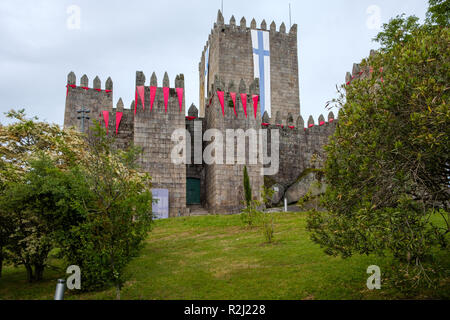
[(290, 21)]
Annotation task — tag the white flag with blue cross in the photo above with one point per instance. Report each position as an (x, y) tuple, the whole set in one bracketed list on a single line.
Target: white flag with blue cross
[(261, 63)]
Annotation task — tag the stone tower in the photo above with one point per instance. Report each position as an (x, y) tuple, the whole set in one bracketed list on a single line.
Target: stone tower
[(223, 181), (81, 96), (230, 54)]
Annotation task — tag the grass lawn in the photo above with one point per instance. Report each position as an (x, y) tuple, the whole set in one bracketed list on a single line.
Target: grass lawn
[(215, 257)]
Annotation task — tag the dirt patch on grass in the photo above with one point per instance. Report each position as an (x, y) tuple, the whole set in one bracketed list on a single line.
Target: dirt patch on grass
[(222, 267)]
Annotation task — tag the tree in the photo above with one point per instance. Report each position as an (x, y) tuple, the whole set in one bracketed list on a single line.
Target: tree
[(439, 12), (247, 187), (118, 214), (24, 230), (388, 164), (60, 189), (35, 209)]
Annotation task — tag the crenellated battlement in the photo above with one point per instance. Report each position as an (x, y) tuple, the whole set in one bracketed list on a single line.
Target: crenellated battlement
[(81, 97), (238, 103), (162, 98), (358, 72), (242, 27), (84, 83)]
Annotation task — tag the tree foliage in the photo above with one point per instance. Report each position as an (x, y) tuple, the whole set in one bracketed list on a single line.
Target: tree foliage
[(60, 189), (118, 214), (36, 210), (33, 194), (439, 12), (388, 162)]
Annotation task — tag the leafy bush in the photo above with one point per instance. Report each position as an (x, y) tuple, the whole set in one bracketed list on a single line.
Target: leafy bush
[(387, 167), (267, 226), (250, 214), (117, 214)]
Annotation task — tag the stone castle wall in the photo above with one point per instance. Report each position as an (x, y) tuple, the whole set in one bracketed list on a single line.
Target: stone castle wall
[(231, 70), (224, 182), (153, 131), (300, 148)]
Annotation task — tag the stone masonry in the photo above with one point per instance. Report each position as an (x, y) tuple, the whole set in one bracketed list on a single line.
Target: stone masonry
[(230, 70)]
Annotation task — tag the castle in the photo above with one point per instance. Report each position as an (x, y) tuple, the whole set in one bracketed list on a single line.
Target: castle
[(228, 87)]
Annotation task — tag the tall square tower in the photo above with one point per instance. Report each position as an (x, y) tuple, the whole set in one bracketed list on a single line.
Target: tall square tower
[(234, 52)]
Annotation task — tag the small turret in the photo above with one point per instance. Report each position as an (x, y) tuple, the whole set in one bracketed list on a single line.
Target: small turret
[(231, 87), (290, 119), (97, 83), (311, 121), (71, 78), (242, 86), (109, 84), (300, 122), (179, 81), (140, 78), (243, 23), (232, 21), (263, 25), (331, 117), (278, 117), (356, 69), (293, 29), (193, 111), (273, 27), (321, 120), (153, 80), (166, 81), (84, 81), (220, 20), (265, 118), (119, 107)]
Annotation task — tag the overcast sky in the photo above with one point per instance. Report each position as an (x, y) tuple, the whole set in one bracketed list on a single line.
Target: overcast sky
[(41, 44)]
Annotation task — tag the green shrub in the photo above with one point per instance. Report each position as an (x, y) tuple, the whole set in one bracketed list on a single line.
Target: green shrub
[(247, 188)]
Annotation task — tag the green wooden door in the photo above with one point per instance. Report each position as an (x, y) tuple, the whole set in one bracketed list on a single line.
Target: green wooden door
[(193, 191)]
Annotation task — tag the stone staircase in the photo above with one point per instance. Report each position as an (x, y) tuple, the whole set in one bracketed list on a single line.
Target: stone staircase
[(197, 210)]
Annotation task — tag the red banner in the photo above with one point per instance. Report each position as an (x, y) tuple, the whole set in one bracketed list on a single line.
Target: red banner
[(152, 96), (119, 116), (70, 85), (106, 118), (135, 101), (233, 97), (255, 103), (220, 95), (141, 92), (166, 97), (180, 97), (244, 102)]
